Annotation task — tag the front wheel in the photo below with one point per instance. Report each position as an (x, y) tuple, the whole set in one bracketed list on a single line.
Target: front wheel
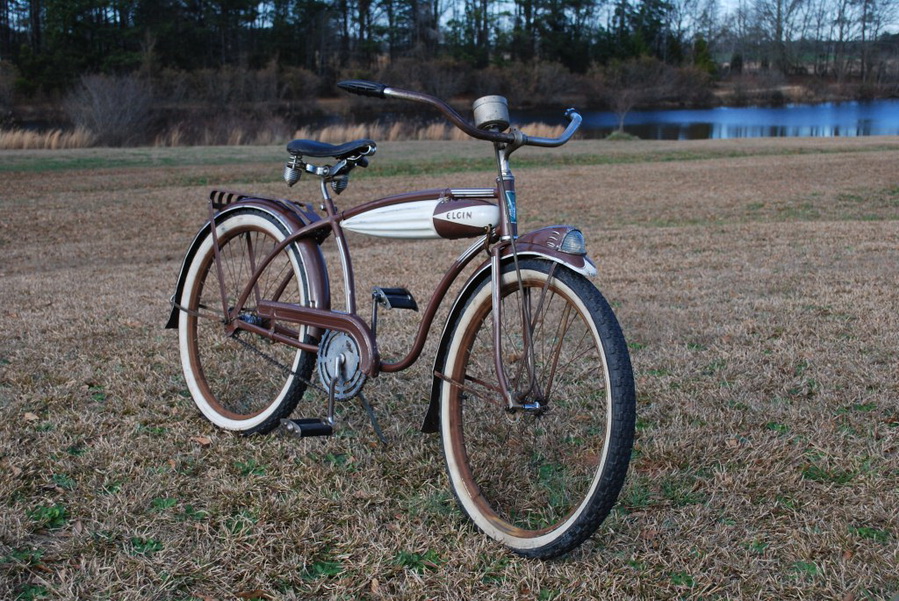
[(541, 478)]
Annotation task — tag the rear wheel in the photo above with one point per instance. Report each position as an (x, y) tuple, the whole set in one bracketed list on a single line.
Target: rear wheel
[(239, 380), (540, 479)]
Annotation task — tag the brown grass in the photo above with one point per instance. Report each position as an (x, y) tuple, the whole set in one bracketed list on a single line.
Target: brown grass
[(403, 132), (55, 139), (756, 282)]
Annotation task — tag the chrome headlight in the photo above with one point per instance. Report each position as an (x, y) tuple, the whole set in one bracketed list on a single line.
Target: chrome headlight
[(573, 243)]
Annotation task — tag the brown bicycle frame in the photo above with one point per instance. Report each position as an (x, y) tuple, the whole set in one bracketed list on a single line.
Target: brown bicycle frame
[(348, 322), (503, 237)]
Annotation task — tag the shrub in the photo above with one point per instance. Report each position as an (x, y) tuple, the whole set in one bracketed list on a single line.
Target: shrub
[(625, 85), (116, 110), (692, 86), (299, 84), (526, 84), (549, 83), (172, 86), (233, 128), (217, 87)]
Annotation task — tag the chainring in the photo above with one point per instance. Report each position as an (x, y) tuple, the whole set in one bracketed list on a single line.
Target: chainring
[(339, 363)]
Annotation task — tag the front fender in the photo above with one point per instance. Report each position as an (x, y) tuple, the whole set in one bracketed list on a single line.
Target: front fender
[(551, 243), (547, 243), (292, 220)]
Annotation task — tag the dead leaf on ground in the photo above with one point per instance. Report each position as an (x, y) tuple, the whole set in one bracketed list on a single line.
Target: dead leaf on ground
[(257, 594)]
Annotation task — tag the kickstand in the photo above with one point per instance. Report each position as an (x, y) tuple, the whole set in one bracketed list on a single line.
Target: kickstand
[(371, 416)]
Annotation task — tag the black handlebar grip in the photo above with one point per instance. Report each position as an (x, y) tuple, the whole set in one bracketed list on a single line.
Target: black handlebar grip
[(363, 87)]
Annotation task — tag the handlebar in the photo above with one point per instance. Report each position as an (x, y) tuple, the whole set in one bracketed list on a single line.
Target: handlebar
[(379, 90)]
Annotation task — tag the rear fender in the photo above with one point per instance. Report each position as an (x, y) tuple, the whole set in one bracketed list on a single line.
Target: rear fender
[(292, 218), (544, 243)]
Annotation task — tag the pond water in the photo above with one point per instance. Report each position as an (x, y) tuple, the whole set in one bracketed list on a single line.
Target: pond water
[(831, 119)]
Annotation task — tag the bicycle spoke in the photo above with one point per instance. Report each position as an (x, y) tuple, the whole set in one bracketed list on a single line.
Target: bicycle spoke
[(493, 399), (564, 324)]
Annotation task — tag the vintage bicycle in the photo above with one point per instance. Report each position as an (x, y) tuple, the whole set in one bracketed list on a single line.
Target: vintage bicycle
[(532, 390)]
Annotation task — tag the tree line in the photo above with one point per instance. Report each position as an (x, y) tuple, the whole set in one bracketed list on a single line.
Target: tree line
[(51, 43)]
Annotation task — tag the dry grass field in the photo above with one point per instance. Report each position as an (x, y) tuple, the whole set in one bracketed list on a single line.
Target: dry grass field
[(756, 282)]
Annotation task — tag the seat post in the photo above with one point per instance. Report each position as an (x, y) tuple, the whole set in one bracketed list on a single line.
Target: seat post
[(343, 252)]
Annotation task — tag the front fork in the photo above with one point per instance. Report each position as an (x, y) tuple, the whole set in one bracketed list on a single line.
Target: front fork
[(516, 400), (529, 396)]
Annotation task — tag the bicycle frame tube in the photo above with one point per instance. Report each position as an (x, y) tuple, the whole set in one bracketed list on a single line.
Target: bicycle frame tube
[(348, 322), (436, 300), (346, 264)]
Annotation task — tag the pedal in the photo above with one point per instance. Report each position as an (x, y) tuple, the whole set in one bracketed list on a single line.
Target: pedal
[(394, 298), (308, 427)]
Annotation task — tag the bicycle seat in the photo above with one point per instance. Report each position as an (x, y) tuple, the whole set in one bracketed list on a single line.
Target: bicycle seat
[(311, 148)]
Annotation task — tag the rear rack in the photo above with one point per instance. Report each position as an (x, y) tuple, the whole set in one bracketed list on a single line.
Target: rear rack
[(219, 199), (222, 198)]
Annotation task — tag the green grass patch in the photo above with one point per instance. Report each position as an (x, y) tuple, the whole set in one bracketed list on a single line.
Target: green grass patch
[(682, 490), (64, 481), (874, 534), (151, 430), (77, 450), (27, 556), (805, 569), (32, 592), (438, 502), (777, 427), (322, 569), (249, 468), (163, 503), (418, 562), (52, 516), (817, 473), (241, 523), (757, 546), (637, 494), (714, 367), (112, 487), (447, 161), (682, 579), (144, 546), (193, 514), (495, 571)]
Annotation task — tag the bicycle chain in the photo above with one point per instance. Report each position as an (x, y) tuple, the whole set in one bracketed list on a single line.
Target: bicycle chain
[(280, 365)]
